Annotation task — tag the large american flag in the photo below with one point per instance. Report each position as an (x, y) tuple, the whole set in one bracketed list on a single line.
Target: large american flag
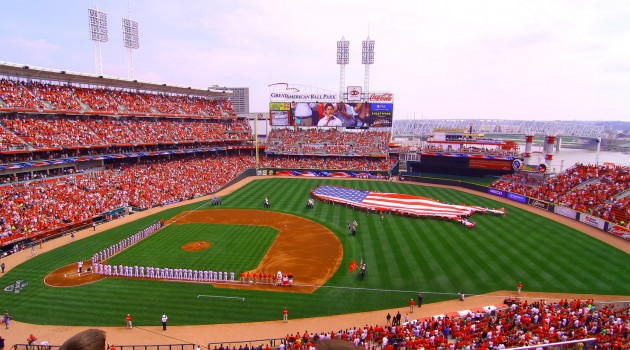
[(399, 203)]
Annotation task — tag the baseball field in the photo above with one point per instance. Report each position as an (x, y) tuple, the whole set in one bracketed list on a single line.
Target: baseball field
[(403, 255)]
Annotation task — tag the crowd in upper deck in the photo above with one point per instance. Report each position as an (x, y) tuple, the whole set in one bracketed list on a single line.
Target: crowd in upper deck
[(34, 95)]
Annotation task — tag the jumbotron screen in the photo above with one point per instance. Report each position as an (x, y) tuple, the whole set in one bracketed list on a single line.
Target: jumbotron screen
[(362, 115)]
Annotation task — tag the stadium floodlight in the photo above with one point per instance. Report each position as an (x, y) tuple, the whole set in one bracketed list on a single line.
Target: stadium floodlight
[(98, 25), (368, 59), (98, 34), (343, 49), (130, 34), (343, 57), (131, 40)]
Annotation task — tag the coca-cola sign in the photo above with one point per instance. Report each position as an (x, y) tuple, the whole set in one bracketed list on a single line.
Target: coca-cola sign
[(381, 97)]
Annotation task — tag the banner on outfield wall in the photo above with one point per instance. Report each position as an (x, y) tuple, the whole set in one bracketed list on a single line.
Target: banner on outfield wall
[(517, 197), (495, 192), (538, 203), (620, 231), (570, 213), (592, 221)]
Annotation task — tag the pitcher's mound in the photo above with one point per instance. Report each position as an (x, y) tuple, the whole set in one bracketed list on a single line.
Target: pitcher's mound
[(195, 246)]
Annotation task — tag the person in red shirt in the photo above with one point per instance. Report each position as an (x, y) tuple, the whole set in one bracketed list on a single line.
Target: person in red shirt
[(519, 286), (128, 320), (31, 339), (411, 304), (285, 315)]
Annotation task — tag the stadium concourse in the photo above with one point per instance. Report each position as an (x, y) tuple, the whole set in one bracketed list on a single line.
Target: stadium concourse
[(226, 333)]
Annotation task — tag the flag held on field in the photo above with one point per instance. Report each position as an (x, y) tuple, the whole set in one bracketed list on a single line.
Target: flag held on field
[(403, 204), (353, 266)]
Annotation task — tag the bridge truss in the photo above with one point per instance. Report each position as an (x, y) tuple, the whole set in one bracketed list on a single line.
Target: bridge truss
[(422, 128)]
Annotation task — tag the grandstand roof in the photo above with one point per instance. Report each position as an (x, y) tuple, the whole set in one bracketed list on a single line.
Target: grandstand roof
[(46, 74)]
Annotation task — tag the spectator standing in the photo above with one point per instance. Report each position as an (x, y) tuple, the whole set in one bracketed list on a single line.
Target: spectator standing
[(6, 319), (1, 343), (2, 267), (519, 286), (128, 320), (420, 299), (411, 303), (164, 319), (285, 315)]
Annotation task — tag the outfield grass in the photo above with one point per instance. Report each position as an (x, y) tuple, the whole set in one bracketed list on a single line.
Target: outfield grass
[(403, 256)]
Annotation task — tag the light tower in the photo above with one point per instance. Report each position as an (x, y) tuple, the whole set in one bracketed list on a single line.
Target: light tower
[(98, 34), (130, 41), (368, 59), (343, 58)]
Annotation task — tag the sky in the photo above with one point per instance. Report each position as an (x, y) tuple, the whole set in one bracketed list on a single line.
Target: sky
[(493, 59)]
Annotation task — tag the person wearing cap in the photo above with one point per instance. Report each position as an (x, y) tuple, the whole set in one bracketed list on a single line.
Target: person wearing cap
[(411, 303), (128, 320), (164, 319)]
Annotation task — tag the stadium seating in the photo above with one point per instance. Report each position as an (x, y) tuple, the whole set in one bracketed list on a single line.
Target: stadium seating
[(518, 324), (591, 189)]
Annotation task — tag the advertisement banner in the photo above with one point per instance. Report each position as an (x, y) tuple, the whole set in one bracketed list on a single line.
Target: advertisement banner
[(279, 113), (538, 203), (279, 106), (380, 97), (490, 164), (279, 118), (517, 197), (381, 114), (570, 213), (592, 221), (620, 231), (495, 192), (354, 93)]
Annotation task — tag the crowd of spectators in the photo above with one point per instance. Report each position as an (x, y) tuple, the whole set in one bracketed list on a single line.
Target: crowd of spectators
[(519, 324), (327, 163), (45, 131), (32, 208), (591, 189), (34, 95), (15, 94), (327, 141)]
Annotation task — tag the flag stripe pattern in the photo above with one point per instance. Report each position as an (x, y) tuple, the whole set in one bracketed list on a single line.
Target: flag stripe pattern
[(400, 203)]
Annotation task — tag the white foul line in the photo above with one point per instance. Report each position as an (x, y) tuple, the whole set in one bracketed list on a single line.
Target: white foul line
[(219, 296)]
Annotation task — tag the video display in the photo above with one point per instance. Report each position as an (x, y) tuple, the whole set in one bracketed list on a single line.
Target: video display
[(340, 114)]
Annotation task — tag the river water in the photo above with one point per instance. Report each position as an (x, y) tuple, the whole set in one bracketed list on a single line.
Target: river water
[(567, 157)]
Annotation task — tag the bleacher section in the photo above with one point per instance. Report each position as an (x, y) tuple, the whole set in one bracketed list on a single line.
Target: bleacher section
[(584, 188)]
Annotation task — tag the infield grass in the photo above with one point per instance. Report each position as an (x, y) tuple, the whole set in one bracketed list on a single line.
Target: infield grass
[(403, 256)]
